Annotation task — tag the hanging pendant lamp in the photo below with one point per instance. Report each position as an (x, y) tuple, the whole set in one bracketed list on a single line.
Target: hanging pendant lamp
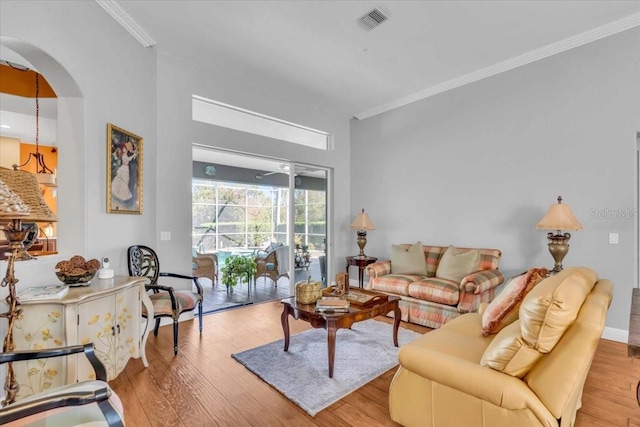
[(44, 175)]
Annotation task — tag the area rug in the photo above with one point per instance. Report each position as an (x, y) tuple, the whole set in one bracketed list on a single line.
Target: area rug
[(302, 374)]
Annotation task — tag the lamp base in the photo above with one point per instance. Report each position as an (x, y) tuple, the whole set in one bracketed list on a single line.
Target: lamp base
[(15, 234), (362, 241), (558, 248)]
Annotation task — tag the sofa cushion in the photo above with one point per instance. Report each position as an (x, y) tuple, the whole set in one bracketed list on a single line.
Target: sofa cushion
[(409, 260), (432, 255), (488, 259), (503, 310), (553, 305), (455, 265), (510, 353), (433, 289), (459, 338)]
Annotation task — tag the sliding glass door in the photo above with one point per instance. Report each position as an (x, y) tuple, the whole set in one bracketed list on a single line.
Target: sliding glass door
[(249, 206)]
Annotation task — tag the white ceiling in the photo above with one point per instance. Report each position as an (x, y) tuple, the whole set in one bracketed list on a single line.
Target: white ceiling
[(18, 113), (318, 53), (262, 164), (207, 155)]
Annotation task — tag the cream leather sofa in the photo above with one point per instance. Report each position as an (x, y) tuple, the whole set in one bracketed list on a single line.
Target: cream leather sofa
[(539, 363)]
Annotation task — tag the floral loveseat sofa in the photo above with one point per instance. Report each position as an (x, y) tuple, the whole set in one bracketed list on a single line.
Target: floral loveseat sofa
[(432, 299)]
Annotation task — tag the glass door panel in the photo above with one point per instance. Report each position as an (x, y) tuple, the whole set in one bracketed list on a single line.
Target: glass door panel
[(310, 223)]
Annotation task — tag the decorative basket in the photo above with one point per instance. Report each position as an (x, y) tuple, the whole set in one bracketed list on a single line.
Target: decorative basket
[(308, 292), (69, 279)]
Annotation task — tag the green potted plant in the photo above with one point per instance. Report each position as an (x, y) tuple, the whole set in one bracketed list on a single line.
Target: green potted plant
[(237, 267)]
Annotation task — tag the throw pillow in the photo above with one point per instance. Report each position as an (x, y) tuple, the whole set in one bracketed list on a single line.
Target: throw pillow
[(408, 261), (503, 310), (455, 265), (510, 353), (552, 306)]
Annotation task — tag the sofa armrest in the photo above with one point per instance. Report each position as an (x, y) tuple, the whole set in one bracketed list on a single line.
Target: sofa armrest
[(471, 378), (378, 269), (481, 281)]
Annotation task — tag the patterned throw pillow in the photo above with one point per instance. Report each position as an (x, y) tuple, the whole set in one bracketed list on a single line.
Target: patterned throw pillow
[(455, 265), (408, 261), (503, 310)]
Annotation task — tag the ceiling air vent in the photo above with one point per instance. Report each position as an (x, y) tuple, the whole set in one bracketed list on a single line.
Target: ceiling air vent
[(373, 18)]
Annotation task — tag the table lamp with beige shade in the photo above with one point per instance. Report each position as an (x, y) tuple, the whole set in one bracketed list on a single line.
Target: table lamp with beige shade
[(20, 201), (362, 223), (559, 217)]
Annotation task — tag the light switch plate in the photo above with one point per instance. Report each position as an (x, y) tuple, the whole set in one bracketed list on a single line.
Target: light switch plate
[(613, 238), (165, 235)]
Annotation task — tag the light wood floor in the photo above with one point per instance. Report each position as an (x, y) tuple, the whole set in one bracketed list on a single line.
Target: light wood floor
[(204, 386)]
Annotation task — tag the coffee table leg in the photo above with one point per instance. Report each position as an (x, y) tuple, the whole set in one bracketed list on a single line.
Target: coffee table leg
[(331, 345), (284, 318), (396, 322)]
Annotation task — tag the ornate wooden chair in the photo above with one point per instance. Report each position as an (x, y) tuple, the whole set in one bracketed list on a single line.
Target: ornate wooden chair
[(83, 403), (167, 302)]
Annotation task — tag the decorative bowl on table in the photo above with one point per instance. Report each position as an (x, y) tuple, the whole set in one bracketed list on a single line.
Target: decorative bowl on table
[(77, 271), (77, 278)]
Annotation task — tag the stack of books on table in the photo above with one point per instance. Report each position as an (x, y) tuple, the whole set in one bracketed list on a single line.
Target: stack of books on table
[(332, 305), (43, 292)]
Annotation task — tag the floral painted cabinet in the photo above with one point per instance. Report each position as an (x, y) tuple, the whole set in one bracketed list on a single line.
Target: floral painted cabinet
[(110, 324), (107, 313), (37, 330)]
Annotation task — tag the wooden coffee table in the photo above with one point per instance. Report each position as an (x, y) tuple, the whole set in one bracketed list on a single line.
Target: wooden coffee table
[(334, 321)]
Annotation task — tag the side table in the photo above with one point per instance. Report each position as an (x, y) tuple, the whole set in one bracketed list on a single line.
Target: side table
[(361, 263)]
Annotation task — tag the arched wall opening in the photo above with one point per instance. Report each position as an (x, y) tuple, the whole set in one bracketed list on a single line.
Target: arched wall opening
[(72, 187)]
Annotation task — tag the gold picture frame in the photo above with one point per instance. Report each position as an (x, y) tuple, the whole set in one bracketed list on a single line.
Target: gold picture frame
[(124, 171)]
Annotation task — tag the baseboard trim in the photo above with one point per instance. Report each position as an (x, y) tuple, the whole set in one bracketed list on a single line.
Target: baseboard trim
[(614, 334)]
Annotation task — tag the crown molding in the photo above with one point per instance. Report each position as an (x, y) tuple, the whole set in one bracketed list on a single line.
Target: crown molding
[(577, 40), (128, 23)]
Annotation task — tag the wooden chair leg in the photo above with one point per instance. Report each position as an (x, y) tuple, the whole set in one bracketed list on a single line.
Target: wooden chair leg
[(156, 327), (175, 336), (110, 414)]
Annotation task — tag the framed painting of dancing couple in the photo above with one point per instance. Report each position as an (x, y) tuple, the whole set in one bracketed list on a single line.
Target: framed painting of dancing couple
[(124, 171)]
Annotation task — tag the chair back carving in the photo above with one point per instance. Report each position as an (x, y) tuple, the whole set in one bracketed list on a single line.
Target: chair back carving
[(143, 262)]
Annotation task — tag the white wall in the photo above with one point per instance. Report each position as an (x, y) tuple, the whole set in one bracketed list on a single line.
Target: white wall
[(479, 165), (177, 82), (103, 75)]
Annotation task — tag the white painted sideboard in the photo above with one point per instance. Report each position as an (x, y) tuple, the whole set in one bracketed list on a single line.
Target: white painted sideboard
[(108, 313)]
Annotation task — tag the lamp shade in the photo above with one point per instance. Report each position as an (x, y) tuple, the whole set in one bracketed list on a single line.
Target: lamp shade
[(11, 206), (46, 179), (362, 222), (25, 186), (559, 217)]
